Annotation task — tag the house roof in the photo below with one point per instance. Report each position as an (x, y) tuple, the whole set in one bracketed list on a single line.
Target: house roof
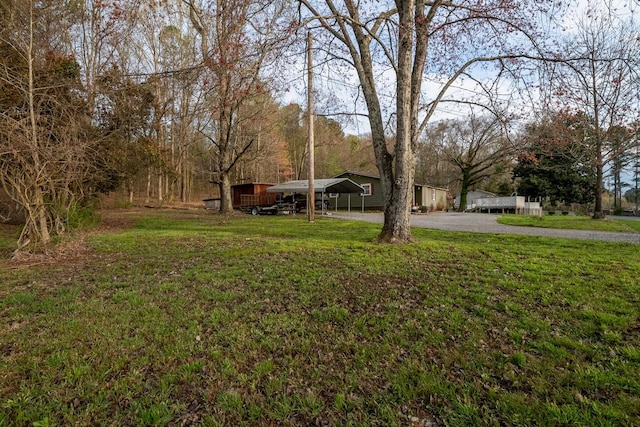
[(349, 172), (368, 175), (240, 184), (488, 193), (431, 186), (330, 185)]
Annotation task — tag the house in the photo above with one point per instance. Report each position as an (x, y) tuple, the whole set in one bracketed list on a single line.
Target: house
[(509, 204), (484, 201), (434, 198), (370, 199), (472, 196)]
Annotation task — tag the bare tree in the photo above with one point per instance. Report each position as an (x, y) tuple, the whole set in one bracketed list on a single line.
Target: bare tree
[(294, 135), (96, 30), (259, 121), (185, 100), (238, 39), (123, 120), (601, 78), (433, 166), (49, 163), (156, 47), (478, 148), (333, 150), (411, 40)]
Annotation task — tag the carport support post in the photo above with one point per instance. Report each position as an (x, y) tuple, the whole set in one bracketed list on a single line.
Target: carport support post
[(311, 203)]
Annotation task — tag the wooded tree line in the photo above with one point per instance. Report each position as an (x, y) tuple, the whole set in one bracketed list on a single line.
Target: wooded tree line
[(552, 160), (162, 99), (165, 98)]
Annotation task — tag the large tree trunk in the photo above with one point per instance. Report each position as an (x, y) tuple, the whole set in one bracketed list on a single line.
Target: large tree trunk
[(463, 199), (226, 203), (147, 197), (598, 212), (464, 191), (397, 211)]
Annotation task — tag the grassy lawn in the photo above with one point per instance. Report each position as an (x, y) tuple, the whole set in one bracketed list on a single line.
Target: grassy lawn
[(9, 235), (572, 222), (195, 319)]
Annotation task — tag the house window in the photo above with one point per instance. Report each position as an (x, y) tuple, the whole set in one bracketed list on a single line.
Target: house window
[(368, 189)]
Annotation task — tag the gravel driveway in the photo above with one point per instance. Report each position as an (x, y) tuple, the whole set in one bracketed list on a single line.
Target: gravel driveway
[(487, 223)]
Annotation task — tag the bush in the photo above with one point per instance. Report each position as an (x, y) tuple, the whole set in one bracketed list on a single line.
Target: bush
[(81, 217)]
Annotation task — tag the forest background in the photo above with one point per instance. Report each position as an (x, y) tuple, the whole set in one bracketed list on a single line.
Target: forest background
[(157, 101)]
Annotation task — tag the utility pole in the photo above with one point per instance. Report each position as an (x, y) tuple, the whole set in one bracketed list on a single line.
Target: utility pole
[(636, 177), (311, 203)]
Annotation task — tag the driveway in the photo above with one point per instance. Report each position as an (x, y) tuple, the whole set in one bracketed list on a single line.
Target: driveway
[(487, 223)]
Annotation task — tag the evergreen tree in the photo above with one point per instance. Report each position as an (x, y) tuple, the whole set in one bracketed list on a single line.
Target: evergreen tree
[(553, 165)]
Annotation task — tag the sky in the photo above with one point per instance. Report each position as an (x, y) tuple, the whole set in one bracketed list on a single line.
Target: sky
[(335, 90)]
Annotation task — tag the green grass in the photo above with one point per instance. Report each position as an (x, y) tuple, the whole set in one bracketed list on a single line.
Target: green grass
[(630, 223), (201, 319), (572, 222), (9, 235)]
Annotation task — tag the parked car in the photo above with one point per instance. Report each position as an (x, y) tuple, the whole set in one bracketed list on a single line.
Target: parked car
[(301, 201)]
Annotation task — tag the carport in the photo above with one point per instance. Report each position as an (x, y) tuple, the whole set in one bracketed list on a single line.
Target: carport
[(323, 186)]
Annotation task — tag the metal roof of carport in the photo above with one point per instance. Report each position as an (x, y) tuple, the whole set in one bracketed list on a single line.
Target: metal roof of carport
[(330, 185)]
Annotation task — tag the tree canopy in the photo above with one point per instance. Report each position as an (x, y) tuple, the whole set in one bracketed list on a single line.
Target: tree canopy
[(552, 163)]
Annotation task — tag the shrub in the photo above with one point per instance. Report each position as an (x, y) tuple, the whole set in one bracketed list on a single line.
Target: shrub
[(81, 217)]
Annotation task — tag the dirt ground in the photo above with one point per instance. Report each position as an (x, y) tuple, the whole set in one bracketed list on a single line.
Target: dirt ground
[(73, 249)]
